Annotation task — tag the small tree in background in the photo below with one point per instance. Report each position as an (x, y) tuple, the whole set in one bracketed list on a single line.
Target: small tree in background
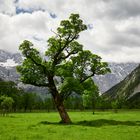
[(10, 89), (114, 105), (66, 67), (6, 104), (28, 101), (90, 96), (48, 103)]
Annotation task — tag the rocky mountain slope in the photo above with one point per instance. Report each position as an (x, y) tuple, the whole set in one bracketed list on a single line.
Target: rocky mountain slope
[(127, 89), (118, 72), (8, 63)]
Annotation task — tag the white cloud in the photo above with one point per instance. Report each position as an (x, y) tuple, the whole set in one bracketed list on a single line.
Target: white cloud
[(7, 7), (114, 36), (15, 29), (125, 54)]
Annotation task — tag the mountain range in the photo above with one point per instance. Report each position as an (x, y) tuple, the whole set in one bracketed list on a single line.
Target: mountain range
[(127, 90), (127, 87), (9, 61)]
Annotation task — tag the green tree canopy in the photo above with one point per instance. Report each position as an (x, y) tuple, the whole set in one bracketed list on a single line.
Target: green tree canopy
[(6, 104), (66, 66)]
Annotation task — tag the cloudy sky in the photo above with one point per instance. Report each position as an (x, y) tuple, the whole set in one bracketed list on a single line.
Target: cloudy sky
[(113, 25)]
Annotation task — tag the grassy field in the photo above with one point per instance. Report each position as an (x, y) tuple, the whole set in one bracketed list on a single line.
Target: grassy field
[(124, 125)]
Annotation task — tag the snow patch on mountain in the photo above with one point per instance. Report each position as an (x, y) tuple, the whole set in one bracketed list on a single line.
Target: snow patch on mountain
[(118, 72), (9, 63)]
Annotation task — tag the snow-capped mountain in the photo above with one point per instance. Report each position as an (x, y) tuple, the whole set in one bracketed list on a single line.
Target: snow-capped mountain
[(127, 90), (6, 56), (118, 72), (8, 63)]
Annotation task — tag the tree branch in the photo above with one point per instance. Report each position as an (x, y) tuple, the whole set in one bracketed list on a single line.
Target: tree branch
[(69, 54), (38, 64), (56, 60), (68, 41), (38, 84), (57, 35), (65, 96), (87, 77)]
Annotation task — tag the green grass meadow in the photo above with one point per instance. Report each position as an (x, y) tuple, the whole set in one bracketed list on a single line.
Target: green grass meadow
[(124, 125)]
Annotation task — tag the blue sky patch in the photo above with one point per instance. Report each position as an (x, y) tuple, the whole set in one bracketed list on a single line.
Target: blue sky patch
[(90, 26), (16, 1), (53, 15), (37, 38), (21, 10)]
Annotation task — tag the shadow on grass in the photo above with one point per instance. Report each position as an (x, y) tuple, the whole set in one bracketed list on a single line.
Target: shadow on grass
[(97, 123)]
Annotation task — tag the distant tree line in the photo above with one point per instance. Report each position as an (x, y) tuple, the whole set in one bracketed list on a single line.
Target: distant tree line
[(16, 99), (27, 101), (23, 101)]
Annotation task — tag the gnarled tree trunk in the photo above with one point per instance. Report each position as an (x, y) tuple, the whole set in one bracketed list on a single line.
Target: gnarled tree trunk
[(58, 100), (63, 114), (62, 111)]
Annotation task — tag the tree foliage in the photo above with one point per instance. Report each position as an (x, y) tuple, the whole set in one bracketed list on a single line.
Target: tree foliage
[(6, 104), (66, 66)]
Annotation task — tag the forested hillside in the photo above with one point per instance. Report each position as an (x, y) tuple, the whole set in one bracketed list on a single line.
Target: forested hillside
[(127, 91)]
